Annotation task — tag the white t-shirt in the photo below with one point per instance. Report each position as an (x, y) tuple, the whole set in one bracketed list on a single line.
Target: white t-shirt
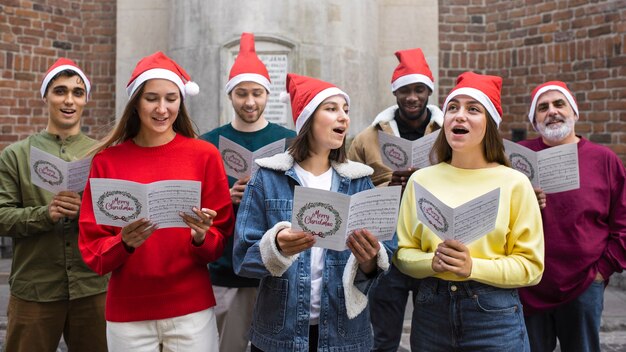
[(323, 181)]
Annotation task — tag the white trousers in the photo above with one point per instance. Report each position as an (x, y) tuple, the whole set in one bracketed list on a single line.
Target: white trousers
[(195, 332)]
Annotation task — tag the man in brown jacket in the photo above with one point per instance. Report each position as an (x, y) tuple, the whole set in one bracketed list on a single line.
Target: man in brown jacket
[(411, 118)]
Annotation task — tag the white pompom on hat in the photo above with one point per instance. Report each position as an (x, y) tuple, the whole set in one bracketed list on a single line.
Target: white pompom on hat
[(247, 67), (63, 64), (412, 68), (159, 66), (306, 93), (551, 85), (485, 89)]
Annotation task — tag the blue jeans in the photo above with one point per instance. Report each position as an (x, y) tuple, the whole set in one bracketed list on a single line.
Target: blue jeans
[(467, 316), (387, 304), (576, 324)]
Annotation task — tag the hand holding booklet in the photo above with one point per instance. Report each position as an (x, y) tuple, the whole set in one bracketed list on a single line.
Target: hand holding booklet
[(554, 169), (239, 161), (465, 223), (400, 154), (119, 202), (333, 216), (55, 174)]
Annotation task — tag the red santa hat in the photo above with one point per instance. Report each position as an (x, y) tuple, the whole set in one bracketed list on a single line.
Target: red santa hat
[(552, 85), (306, 94), (484, 88), (63, 64), (247, 66), (160, 66), (412, 68)]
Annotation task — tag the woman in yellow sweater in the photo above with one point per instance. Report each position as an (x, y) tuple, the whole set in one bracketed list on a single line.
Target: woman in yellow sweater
[(467, 298)]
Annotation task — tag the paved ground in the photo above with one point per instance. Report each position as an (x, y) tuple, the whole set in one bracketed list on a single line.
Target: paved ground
[(612, 335)]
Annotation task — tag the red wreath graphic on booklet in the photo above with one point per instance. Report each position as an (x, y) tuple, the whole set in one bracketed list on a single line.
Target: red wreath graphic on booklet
[(521, 164), (234, 160), (395, 155), (48, 173), (119, 205), (433, 215), (319, 218)]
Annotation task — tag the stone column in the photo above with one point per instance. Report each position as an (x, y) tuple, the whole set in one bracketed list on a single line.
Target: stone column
[(331, 40), (142, 29)]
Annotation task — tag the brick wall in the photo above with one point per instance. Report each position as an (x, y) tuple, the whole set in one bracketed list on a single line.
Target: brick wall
[(33, 34), (580, 42)]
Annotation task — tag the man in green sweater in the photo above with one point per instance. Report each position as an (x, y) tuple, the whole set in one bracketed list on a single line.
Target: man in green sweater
[(248, 89), (53, 293)]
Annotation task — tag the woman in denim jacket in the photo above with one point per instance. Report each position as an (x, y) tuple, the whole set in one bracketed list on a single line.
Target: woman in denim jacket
[(309, 298)]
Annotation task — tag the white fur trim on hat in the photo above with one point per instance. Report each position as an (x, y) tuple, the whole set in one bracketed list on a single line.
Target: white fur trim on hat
[(248, 77), (412, 78), (58, 69), (356, 301), (317, 100), (284, 97), (192, 88), (566, 93), (478, 95), (156, 73)]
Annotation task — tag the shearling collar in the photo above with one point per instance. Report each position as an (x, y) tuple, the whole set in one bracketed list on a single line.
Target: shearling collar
[(284, 161), (387, 115)]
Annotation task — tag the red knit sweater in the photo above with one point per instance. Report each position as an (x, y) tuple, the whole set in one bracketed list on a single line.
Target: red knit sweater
[(167, 275)]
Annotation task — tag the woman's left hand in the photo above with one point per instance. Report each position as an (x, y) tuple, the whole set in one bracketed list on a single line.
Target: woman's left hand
[(453, 256), (199, 227), (364, 246)]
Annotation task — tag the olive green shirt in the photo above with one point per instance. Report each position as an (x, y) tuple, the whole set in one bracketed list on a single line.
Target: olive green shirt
[(47, 265)]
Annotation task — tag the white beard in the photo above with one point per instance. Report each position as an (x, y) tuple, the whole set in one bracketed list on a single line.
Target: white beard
[(556, 133)]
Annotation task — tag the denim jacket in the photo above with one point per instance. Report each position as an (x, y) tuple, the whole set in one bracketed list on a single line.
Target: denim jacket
[(281, 314)]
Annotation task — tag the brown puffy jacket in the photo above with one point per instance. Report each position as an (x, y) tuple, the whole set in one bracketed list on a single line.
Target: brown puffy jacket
[(365, 149)]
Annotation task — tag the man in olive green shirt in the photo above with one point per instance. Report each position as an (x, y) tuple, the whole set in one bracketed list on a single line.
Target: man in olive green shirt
[(53, 293)]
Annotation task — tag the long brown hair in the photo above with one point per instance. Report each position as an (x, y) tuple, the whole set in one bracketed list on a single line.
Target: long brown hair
[(129, 124), (493, 148), (300, 148)]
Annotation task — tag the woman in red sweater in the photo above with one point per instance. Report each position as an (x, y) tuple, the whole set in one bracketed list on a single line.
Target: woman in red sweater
[(160, 290)]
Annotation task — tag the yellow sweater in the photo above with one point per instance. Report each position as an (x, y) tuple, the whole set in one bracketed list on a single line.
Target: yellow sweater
[(510, 256)]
